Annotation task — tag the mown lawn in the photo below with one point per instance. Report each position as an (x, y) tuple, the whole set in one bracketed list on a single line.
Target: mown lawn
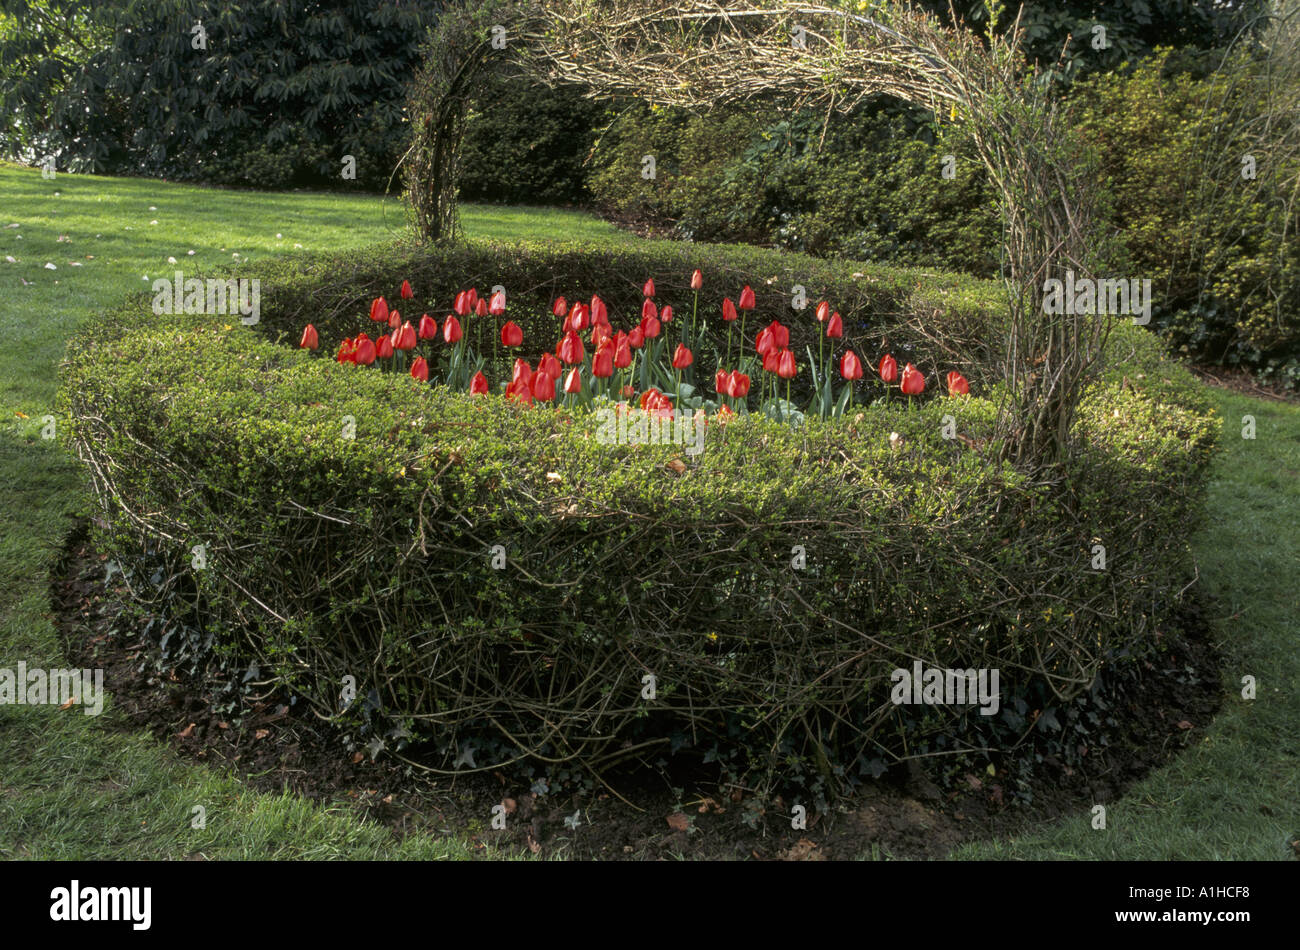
[(71, 788)]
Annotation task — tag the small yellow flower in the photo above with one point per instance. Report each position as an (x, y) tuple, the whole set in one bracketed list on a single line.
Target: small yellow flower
[(713, 637), (401, 472)]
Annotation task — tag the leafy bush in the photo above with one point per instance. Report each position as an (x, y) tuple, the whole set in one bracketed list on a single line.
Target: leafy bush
[(329, 556), (281, 93)]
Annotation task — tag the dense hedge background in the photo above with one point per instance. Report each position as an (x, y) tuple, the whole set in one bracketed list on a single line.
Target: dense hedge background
[(371, 557)]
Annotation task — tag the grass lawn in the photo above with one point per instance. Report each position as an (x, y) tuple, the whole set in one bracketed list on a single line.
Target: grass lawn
[(70, 788)]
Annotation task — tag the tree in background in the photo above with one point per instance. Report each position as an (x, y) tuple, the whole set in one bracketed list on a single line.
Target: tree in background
[(269, 93)]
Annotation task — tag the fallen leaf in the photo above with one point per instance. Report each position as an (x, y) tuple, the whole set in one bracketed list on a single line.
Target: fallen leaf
[(509, 805), (357, 757), (1184, 724), (554, 477), (261, 734), (678, 822), (68, 703), (186, 732), (677, 465)]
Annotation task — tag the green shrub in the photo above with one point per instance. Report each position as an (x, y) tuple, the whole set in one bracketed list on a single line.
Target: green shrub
[(371, 556)]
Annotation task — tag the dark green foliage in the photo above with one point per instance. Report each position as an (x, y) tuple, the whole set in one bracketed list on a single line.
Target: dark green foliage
[(280, 95), (371, 557)]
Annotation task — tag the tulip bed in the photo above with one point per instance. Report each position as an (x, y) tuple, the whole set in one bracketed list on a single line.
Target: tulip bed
[(495, 583)]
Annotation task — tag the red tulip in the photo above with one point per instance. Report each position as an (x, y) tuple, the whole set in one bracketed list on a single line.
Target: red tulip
[(560, 307), (602, 364), (913, 383), (522, 371), (478, 386), (471, 299), (579, 317), (571, 350), (428, 328), (764, 343), (648, 309), (511, 335), (599, 334), (728, 309), (622, 351), (823, 311), (573, 382), (737, 385), (649, 288), (888, 368), (697, 280), (310, 340), (780, 334), (451, 329), (850, 366), (785, 365), (406, 290), (481, 309), (379, 310), (394, 319), (405, 337), (384, 346), (347, 351), (549, 365), (543, 386), (746, 298), (957, 385), (498, 304), (420, 370), (462, 307), (365, 350), (771, 358), (835, 328), (651, 327), (720, 381), (682, 357), (522, 390), (636, 338), (599, 313), (666, 314)]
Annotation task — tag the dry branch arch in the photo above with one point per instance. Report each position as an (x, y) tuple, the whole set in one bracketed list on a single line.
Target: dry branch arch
[(699, 53)]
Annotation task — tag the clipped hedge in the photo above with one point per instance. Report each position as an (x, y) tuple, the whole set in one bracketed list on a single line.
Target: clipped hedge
[(371, 557)]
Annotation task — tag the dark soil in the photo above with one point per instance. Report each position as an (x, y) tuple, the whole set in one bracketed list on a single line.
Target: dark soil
[(637, 815)]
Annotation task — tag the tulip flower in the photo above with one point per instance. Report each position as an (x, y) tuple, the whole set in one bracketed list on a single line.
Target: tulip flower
[(648, 309), (384, 346), (622, 351), (746, 299), (549, 365), (462, 307), (651, 327), (481, 309), (649, 288), (770, 359), (394, 319), (511, 335), (764, 343), (310, 340), (478, 386), (957, 385), (835, 327), (573, 382), (579, 317), (428, 328), (560, 307), (498, 303), (406, 290), (471, 299), (543, 386), (850, 366), (785, 367), (379, 310), (599, 313), (666, 314), (720, 381), (347, 351), (888, 368), (522, 371), (913, 383), (697, 280), (365, 350), (571, 350), (823, 312), (420, 370), (451, 329), (599, 334), (636, 338), (682, 357), (780, 334), (737, 385), (405, 337), (729, 310), (522, 390), (602, 364)]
